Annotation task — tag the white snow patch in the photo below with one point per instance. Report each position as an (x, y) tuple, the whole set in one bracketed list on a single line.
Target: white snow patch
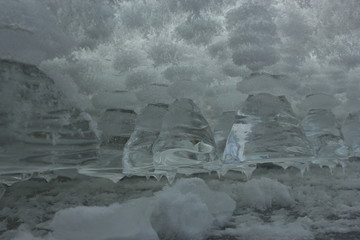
[(262, 194), (186, 210)]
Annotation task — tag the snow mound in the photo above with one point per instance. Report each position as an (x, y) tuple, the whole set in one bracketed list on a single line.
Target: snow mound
[(263, 193), (186, 210)]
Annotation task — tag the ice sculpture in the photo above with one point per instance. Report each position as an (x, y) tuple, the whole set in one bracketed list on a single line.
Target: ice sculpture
[(185, 142), (266, 130), (351, 131), (323, 132), (117, 125), (138, 157), (38, 131)]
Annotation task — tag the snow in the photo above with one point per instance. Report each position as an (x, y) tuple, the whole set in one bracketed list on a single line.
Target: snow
[(187, 210)]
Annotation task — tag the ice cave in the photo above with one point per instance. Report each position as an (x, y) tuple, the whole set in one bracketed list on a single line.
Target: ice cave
[(179, 119)]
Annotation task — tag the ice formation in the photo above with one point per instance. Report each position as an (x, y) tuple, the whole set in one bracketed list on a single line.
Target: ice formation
[(138, 157), (34, 119), (117, 125), (351, 132), (222, 129), (117, 57), (185, 141), (323, 132), (266, 128)]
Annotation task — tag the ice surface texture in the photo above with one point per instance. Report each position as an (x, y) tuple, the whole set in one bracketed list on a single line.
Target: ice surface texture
[(39, 132), (117, 125), (265, 128), (323, 132), (351, 132), (222, 129), (185, 138), (138, 157)]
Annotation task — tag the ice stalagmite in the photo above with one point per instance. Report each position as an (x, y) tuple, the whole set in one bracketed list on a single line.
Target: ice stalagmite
[(39, 131), (186, 141), (266, 130), (323, 132), (222, 129), (117, 125), (351, 131), (138, 157)]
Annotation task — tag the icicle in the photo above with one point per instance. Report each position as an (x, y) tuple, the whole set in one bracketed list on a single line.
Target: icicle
[(343, 165), (248, 171), (158, 176), (112, 174), (171, 177)]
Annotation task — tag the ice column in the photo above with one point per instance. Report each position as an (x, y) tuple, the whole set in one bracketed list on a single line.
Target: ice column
[(186, 141), (351, 131), (323, 132), (39, 132), (222, 129), (266, 130), (117, 125), (138, 157)]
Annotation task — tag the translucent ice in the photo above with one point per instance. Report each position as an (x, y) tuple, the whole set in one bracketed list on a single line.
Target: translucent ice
[(351, 131), (266, 129), (50, 134), (323, 132), (117, 125), (185, 139), (138, 158), (222, 129)]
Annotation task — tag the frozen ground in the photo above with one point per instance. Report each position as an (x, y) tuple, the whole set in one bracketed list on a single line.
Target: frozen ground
[(273, 204)]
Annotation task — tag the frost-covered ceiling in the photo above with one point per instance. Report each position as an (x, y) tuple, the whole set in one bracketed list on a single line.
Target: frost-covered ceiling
[(211, 51)]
